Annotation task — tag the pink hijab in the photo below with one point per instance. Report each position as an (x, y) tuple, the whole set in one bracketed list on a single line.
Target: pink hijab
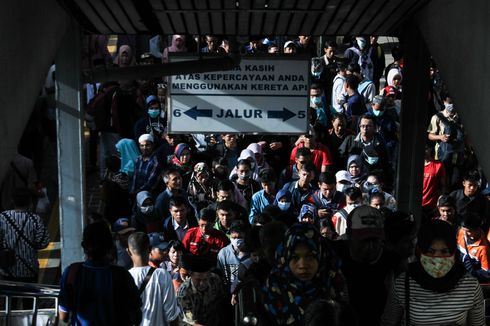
[(173, 47)]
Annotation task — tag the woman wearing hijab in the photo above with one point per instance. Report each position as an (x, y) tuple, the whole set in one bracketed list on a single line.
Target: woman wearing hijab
[(200, 189), (124, 57), (129, 151), (178, 45), (249, 155), (145, 217), (436, 290), (305, 270), (181, 160), (356, 169)]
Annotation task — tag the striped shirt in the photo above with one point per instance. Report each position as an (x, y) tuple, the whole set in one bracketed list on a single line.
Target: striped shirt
[(463, 305), (27, 233)]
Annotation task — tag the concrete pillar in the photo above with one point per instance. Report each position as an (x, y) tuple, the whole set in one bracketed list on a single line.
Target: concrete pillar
[(70, 145), (413, 120)]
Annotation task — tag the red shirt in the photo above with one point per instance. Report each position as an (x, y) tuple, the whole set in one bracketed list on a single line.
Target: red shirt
[(320, 156), (434, 173), (207, 247)]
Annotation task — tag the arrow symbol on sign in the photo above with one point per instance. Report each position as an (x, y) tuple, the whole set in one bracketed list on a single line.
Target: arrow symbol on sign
[(194, 113), (285, 114)]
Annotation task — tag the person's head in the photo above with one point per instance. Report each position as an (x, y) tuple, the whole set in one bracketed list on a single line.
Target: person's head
[(201, 172), (283, 199), (400, 233), (436, 247), (448, 103), (376, 199), (219, 168), (351, 84), (158, 248), (303, 156), (145, 142), (354, 165), (183, 153), (339, 123), (175, 251), (153, 106), (301, 252), (373, 183), (396, 53), (344, 180), (446, 207), (307, 214), (139, 246), (172, 179), (354, 69), (304, 39), (367, 126), (238, 231), (471, 183), (378, 105), (316, 93), (125, 55), (225, 45), (273, 48), (224, 213), (244, 170), (178, 41), (145, 202), (289, 47), (306, 173), (207, 217), (471, 224), (22, 198), (268, 180), (178, 209), (365, 231), (229, 140), (329, 48), (353, 197), (97, 241), (171, 139), (212, 42), (429, 153), (327, 184), (225, 191), (198, 269), (362, 42), (341, 69)]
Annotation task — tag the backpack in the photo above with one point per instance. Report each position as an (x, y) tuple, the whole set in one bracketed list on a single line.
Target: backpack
[(455, 144), (362, 88), (365, 62)]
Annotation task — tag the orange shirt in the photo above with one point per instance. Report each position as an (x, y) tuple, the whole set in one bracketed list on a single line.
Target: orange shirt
[(478, 250)]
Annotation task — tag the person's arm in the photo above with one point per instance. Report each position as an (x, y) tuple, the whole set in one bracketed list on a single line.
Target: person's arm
[(394, 307), (170, 306)]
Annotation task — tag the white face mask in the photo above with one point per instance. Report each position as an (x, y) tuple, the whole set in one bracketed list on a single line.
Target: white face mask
[(341, 187), (354, 205), (283, 206), (146, 209), (449, 107)]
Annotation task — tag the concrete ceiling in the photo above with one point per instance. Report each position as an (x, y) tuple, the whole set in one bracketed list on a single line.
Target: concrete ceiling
[(243, 17)]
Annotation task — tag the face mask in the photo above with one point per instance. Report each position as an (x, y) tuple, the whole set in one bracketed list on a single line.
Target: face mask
[(437, 267), (372, 160), (352, 206), (316, 74), (449, 107), (237, 243), (369, 187), (244, 176), (361, 43), (146, 209), (315, 100), (153, 113), (283, 206), (378, 113)]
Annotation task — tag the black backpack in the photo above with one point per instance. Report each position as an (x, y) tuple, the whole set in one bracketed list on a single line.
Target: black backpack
[(455, 144)]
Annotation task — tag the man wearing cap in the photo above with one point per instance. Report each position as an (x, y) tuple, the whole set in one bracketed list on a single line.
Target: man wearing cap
[(201, 296), (290, 47), (147, 167), (158, 249), (158, 296), (366, 266)]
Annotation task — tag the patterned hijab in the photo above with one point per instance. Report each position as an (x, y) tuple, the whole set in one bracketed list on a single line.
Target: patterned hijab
[(287, 297)]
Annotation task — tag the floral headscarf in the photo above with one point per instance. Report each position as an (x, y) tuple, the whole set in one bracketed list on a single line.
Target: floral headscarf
[(286, 297)]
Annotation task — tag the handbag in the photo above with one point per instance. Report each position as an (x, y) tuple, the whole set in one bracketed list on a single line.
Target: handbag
[(7, 255)]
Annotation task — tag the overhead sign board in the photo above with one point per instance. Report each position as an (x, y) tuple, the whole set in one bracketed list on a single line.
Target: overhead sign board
[(262, 95)]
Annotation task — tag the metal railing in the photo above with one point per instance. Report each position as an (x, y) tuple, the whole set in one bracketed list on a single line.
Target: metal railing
[(42, 310)]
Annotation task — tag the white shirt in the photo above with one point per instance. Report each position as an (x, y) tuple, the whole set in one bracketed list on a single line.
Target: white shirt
[(159, 304)]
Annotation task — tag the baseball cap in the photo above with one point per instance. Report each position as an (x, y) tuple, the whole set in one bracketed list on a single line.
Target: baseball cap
[(289, 43), (157, 241), (343, 175), (122, 226), (365, 222)]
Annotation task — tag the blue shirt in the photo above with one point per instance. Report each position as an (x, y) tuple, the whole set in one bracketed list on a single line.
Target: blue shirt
[(259, 201)]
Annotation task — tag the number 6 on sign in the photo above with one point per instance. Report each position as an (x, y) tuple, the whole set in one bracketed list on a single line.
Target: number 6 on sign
[(177, 113)]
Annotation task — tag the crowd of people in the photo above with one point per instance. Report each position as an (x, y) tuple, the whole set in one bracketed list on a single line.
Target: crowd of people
[(275, 229)]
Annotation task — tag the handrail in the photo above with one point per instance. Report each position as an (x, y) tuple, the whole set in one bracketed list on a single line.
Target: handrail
[(28, 289)]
